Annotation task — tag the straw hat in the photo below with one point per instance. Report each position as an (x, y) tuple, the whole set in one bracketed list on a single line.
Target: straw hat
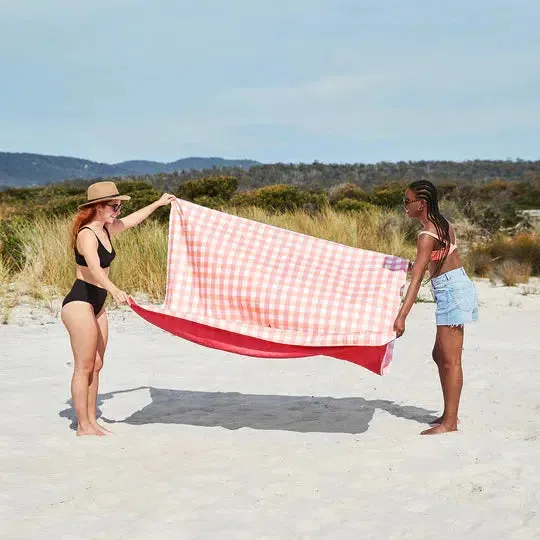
[(103, 191)]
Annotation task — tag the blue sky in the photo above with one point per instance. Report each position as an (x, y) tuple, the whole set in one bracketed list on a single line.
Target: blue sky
[(290, 81)]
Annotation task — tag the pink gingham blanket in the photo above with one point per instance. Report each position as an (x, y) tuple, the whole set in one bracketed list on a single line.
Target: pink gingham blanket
[(260, 290)]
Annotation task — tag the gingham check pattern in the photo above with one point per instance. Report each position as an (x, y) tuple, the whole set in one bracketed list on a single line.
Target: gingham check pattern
[(278, 285)]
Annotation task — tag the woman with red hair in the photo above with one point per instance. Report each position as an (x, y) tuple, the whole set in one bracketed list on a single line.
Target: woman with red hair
[(96, 222)]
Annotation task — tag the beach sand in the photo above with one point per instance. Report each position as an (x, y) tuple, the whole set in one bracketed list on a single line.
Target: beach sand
[(210, 445)]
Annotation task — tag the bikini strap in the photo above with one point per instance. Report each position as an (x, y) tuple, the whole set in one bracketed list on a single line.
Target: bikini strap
[(437, 238), (90, 228), (430, 234)]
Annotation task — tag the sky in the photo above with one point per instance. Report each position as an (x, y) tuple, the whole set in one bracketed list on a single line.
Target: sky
[(338, 81)]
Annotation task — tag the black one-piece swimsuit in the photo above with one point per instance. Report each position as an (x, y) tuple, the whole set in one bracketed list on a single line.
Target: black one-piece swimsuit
[(82, 291)]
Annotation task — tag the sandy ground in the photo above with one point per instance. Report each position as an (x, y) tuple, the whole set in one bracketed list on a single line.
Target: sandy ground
[(210, 445)]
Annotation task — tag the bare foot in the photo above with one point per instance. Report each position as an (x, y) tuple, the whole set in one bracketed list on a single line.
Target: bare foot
[(90, 430), (103, 429), (441, 420), (441, 428)]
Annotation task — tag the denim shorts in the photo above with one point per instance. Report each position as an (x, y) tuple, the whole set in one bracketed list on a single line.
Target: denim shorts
[(455, 295)]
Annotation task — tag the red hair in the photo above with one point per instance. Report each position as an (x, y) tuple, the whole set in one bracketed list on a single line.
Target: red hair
[(82, 217)]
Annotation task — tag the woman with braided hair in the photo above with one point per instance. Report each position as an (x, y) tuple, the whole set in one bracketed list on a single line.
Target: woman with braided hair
[(455, 295)]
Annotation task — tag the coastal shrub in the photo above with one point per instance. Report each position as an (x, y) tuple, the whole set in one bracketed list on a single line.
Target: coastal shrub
[(512, 272), (352, 205), (220, 188), (346, 191), (142, 194), (446, 189), (281, 198), (209, 202), (478, 262), (388, 195), (523, 248), (492, 217), (61, 206)]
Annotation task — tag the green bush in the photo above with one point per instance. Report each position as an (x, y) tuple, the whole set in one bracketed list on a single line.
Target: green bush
[(492, 216), (220, 188), (388, 195), (61, 206), (281, 198), (209, 202), (352, 205), (446, 189), (346, 191)]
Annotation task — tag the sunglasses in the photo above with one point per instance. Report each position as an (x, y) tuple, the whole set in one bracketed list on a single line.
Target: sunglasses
[(116, 207), (406, 201)]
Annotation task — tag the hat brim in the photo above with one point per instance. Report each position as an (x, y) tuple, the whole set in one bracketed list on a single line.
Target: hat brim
[(112, 198)]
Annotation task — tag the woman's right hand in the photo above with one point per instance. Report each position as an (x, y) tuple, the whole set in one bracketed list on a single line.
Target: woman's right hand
[(120, 296)]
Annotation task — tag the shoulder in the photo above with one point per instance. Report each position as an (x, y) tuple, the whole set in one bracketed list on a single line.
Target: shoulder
[(86, 231), (426, 240), (86, 235)]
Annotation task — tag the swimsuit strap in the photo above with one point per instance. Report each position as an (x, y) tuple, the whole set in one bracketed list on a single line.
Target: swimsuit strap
[(90, 228), (429, 233), (108, 235)]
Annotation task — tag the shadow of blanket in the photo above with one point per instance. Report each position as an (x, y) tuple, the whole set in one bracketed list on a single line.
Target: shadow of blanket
[(303, 414)]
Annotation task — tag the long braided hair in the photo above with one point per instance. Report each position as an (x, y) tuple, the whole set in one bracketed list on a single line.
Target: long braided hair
[(425, 190)]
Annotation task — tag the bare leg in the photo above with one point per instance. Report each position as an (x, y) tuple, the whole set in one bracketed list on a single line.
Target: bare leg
[(450, 340), (80, 322), (102, 327), (436, 354), (438, 359)]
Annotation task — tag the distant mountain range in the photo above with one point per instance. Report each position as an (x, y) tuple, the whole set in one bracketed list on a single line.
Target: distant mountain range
[(24, 170)]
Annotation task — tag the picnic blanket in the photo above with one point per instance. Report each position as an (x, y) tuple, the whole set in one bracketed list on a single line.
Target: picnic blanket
[(258, 290)]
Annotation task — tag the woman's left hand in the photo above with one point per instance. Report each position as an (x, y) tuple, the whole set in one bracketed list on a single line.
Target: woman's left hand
[(165, 199), (399, 326)]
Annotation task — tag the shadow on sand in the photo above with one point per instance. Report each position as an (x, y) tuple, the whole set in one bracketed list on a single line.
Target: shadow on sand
[(303, 414)]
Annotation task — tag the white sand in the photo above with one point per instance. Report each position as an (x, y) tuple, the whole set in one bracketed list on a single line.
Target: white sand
[(211, 445)]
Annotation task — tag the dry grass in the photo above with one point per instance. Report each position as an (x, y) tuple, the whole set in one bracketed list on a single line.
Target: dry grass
[(49, 268), (513, 272), (5, 272), (505, 255), (530, 290), (6, 211), (141, 262)]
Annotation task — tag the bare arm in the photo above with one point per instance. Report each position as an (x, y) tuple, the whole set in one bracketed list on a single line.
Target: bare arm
[(137, 217), (424, 247)]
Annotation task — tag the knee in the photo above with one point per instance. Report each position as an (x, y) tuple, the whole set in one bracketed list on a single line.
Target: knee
[(85, 366), (435, 355), (98, 363), (452, 362)]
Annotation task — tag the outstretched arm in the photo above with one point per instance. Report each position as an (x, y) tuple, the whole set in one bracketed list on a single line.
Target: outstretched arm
[(135, 218), (424, 248)]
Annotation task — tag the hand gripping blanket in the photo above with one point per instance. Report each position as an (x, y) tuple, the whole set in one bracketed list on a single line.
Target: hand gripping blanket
[(254, 289)]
